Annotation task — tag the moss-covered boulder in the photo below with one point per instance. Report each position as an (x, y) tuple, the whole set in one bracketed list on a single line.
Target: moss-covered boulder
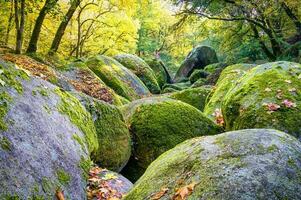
[(199, 83), (113, 135), (215, 66), (193, 96), (197, 74), (80, 78), (160, 71), (245, 164), (268, 96), (46, 137), (119, 78), (158, 124), (141, 69), (226, 81), (198, 58), (178, 86), (215, 72)]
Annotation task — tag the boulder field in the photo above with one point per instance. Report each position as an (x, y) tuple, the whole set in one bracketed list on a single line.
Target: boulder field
[(90, 129)]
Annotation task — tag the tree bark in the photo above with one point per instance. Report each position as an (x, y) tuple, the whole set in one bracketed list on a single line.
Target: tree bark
[(19, 23), (61, 30), (33, 43), (264, 48), (9, 23), (293, 17)]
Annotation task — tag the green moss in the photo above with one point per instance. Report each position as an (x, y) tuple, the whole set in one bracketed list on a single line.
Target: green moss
[(141, 69), (85, 164), (114, 138), (10, 197), (117, 77), (197, 74), (63, 177), (272, 148), (80, 141), (79, 116), (159, 126), (5, 100), (9, 77), (48, 110), (192, 96), (5, 144), (246, 105), (48, 186), (228, 78)]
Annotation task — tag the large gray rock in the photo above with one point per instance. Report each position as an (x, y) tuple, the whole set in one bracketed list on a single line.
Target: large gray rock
[(245, 164), (45, 139), (198, 58)]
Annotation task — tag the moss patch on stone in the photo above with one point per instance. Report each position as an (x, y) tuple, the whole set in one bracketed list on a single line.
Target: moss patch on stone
[(277, 84), (113, 136), (77, 114), (63, 177), (141, 69), (226, 81), (192, 96), (5, 144), (118, 77), (156, 127)]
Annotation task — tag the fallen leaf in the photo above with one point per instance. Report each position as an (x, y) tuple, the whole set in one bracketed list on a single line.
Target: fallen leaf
[(268, 89), (288, 81), (59, 195), (183, 192), (272, 106), (219, 119), (160, 194), (289, 104), (292, 90)]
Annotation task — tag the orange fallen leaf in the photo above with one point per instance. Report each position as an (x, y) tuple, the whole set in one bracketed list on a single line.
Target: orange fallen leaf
[(160, 194), (183, 192), (59, 195)]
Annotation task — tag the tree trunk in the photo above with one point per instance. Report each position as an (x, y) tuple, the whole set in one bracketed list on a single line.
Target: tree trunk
[(19, 24), (61, 30), (32, 46), (264, 48), (293, 17), (9, 23)]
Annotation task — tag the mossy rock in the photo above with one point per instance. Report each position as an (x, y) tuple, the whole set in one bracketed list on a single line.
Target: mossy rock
[(215, 66), (158, 124), (119, 78), (200, 82), (79, 77), (226, 81), (244, 164), (141, 69), (192, 96), (113, 135), (168, 90), (215, 72), (160, 71), (268, 96), (197, 74), (38, 150), (198, 58), (178, 86)]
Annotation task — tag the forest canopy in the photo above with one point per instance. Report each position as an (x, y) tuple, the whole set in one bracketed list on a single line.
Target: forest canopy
[(238, 30)]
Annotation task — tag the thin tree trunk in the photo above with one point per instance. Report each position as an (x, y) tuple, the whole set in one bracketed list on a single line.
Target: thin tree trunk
[(10, 23), (19, 24), (265, 49), (293, 17), (33, 43), (61, 30)]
